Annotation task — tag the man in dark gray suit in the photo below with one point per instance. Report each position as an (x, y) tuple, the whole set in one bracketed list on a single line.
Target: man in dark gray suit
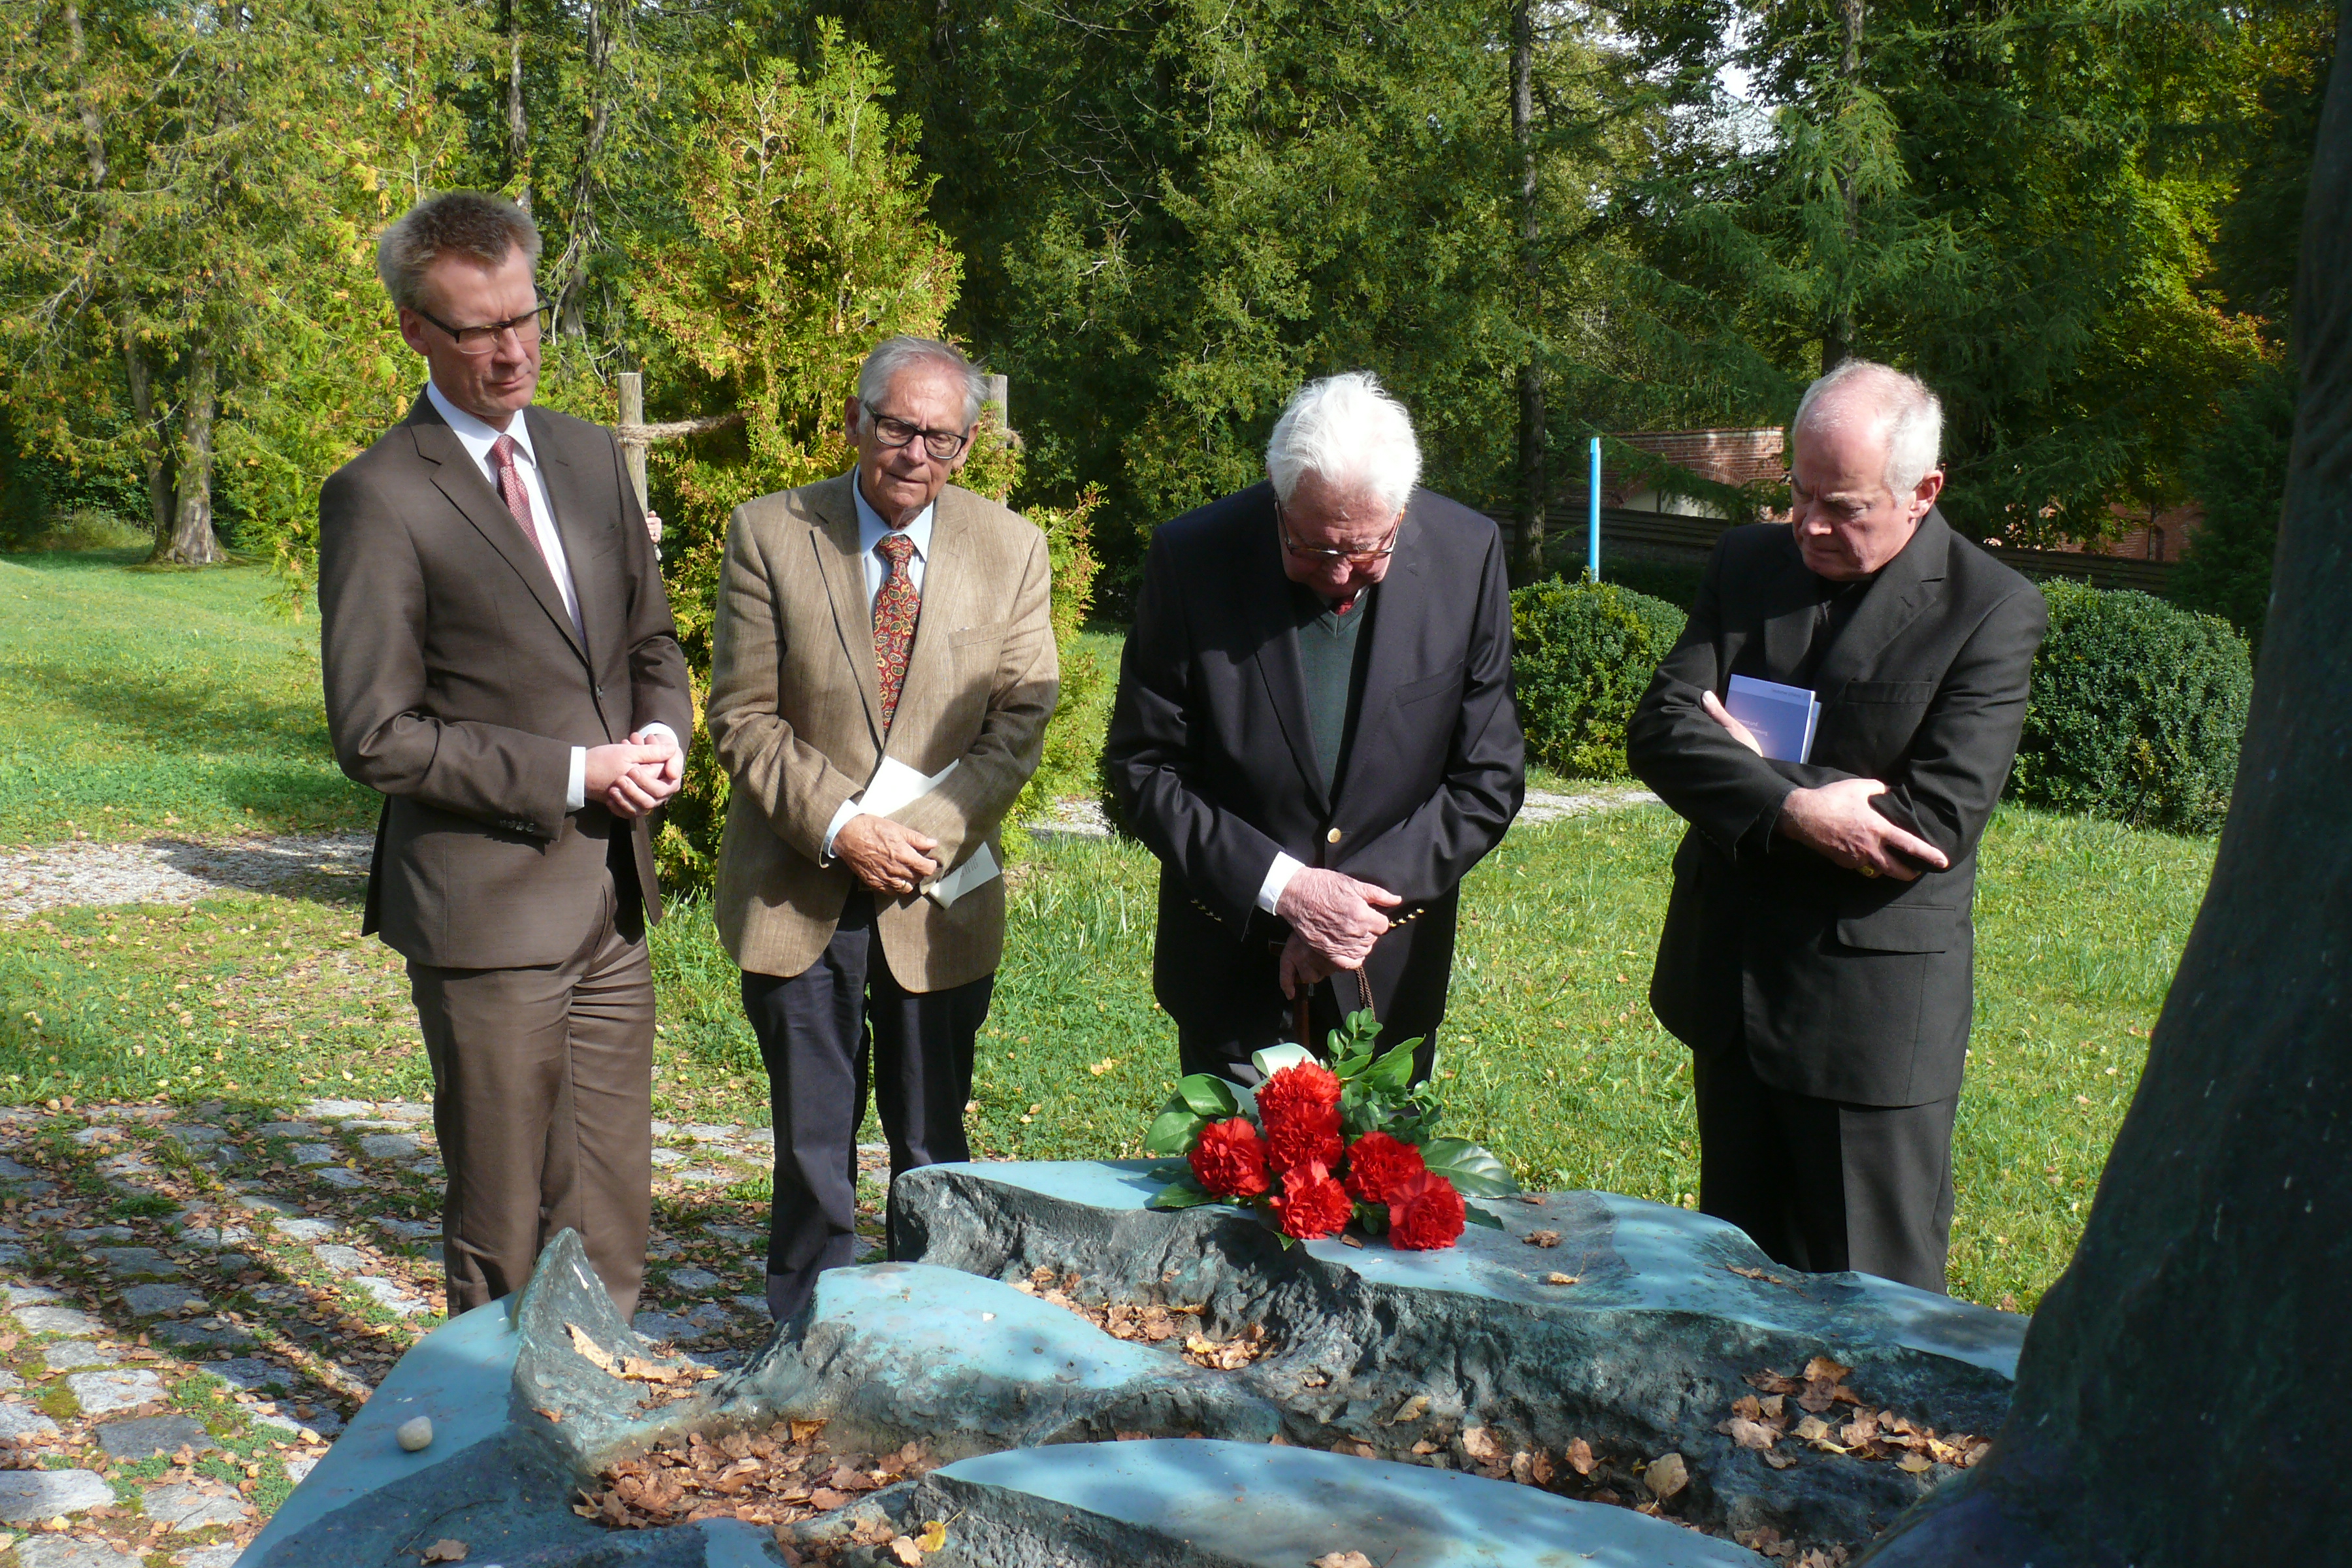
[(1314, 732), (1817, 955), (500, 666)]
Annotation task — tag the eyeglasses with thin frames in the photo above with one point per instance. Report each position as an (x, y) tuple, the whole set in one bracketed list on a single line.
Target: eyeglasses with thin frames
[(893, 432), (528, 328), (1353, 557)]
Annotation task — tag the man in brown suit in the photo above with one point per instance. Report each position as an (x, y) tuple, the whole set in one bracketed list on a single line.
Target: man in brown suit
[(500, 666), (885, 624)]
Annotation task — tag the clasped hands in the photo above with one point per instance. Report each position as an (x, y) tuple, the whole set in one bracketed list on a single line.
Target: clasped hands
[(632, 777), (1836, 820), (1334, 920), (884, 855)]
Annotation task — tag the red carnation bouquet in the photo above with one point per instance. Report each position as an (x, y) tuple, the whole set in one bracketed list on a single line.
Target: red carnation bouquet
[(1316, 1146)]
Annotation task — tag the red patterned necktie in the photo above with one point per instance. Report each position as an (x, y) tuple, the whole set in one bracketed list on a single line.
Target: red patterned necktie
[(512, 491), (895, 609)]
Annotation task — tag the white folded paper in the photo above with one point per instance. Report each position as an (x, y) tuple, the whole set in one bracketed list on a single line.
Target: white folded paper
[(891, 790), (1781, 717)]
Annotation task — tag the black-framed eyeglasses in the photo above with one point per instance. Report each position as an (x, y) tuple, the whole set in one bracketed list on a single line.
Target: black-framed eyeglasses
[(893, 432), (528, 328), (1353, 557)]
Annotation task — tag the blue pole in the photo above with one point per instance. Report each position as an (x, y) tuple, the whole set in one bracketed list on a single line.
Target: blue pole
[(1592, 521)]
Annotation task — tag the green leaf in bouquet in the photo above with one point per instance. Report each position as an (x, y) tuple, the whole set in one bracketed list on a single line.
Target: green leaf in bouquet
[(1182, 1193), (1208, 1095), (1174, 1131), (1274, 1059), (1475, 1172), (1476, 1215), (1373, 1217), (1393, 1072)]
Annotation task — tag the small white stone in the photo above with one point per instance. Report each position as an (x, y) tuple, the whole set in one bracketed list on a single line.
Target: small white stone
[(416, 1433)]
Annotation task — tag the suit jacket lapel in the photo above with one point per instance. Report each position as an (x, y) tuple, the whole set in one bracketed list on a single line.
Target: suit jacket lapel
[(456, 476), (1274, 633), (834, 542), (568, 497), (1906, 585), (1401, 605), (946, 573), (1791, 599)]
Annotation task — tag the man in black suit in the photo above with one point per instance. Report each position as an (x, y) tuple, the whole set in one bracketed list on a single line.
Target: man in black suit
[(1314, 733), (1818, 950)]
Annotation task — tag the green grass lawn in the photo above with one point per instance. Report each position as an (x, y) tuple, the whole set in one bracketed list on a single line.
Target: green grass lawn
[(145, 702), (1550, 1051)]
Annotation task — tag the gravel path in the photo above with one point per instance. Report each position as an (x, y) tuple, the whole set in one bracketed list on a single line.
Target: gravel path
[(175, 871)]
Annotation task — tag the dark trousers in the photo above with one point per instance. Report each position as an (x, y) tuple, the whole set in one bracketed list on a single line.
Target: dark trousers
[(1821, 1185), (542, 1101), (822, 1032), (1223, 1051)]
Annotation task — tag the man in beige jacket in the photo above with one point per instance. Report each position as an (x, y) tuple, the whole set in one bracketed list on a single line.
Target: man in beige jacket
[(876, 633)]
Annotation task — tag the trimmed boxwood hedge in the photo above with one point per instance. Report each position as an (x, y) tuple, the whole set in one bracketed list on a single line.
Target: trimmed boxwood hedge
[(1582, 655), (2136, 713)]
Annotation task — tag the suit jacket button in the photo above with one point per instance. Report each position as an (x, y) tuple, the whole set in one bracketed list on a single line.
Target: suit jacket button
[(1332, 837)]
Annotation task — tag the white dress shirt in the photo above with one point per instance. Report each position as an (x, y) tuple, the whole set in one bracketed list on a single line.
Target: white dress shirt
[(477, 436), (870, 530)]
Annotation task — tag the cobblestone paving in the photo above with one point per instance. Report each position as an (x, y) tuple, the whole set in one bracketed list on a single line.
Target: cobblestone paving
[(193, 1300)]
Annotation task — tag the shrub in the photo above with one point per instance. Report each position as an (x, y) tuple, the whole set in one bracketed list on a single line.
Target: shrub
[(2136, 711), (1584, 653)]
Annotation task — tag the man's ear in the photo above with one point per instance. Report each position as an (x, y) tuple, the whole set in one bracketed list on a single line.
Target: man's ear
[(849, 417), (412, 329), (1923, 498)]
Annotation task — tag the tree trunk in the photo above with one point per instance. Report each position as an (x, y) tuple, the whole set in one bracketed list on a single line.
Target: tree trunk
[(518, 128), (155, 440), (1837, 336), (570, 316), (1534, 474), (192, 542), (2180, 1396)]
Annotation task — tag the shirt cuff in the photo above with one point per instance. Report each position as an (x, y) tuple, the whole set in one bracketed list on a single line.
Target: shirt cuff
[(575, 793), (1278, 877), (649, 731), (849, 808)]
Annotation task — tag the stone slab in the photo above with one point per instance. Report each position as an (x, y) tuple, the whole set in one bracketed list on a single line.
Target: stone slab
[(205, 1334), (304, 1230), (342, 1259), (93, 1234), (104, 1392), (316, 1153), (252, 1375), (339, 1176), (24, 1421), (63, 1552), (158, 1301), (72, 1355), (187, 1505), (69, 1320), (224, 1555), (149, 1436), (1242, 1505), (135, 1263), (10, 1171), (389, 1146), (30, 1496)]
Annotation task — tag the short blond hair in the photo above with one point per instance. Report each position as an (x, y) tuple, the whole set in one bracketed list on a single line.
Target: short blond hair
[(471, 222)]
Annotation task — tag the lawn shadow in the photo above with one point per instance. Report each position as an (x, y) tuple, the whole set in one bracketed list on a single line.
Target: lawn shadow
[(321, 869), (169, 711)]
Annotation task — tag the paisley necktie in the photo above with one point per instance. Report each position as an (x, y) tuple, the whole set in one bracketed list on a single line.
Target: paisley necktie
[(512, 491), (895, 609)]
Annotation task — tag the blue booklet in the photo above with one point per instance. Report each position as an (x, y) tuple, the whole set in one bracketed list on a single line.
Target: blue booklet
[(1781, 717)]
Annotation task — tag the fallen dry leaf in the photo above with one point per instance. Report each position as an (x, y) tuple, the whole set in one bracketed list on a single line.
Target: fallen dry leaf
[(1557, 1278), (551, 1414), (1342, 1560), (1666, 1475), (445, 1551), (1750, 1434), (1543, 1238), (1412, 1410), (904, 1549), (1812, 1428), (1916, 1464), (805, 1431), (934, 1537), (1480, 1444), (596, 1353), (1820, 1369), (1579, 1457)]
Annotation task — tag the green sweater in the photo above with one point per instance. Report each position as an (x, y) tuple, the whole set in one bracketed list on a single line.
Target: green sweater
[(1332, 650)]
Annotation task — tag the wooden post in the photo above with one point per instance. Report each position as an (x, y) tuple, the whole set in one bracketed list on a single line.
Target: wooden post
[(633, 413), (1000, 393)]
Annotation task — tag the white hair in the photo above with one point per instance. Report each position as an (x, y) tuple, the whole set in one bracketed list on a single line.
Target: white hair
[(1354, 435), (892, 355), (1906, 415)]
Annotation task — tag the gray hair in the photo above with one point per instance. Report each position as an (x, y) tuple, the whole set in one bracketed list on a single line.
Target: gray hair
[(892, 355), (1907, 415), (1352, 433), (472, 223)]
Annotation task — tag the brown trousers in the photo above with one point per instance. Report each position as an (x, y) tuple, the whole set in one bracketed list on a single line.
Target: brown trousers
[(542, 1101)]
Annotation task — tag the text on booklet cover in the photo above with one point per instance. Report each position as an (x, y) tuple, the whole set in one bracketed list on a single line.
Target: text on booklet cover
[(1781, 717)]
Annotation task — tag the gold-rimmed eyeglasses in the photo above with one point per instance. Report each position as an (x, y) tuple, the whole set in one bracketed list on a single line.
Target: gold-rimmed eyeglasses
[(1353, 557), (528, 328)]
